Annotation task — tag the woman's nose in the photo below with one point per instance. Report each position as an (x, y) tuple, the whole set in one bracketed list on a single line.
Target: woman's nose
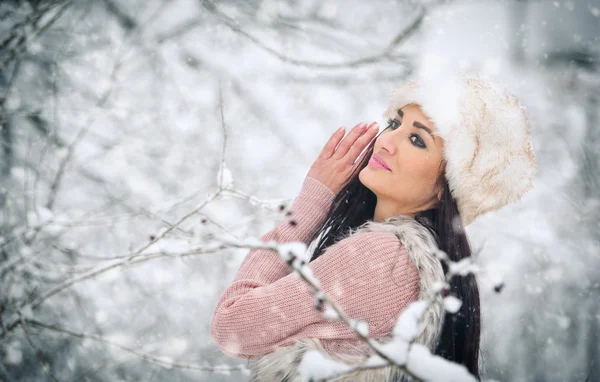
[(388, 142)]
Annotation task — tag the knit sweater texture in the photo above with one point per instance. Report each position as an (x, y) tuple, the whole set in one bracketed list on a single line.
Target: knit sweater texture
[(369, 275)]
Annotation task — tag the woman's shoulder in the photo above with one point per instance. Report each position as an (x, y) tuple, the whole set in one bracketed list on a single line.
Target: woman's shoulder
[(379, 249), (402, 241), (375, 236), (373, 241), (401, 234)]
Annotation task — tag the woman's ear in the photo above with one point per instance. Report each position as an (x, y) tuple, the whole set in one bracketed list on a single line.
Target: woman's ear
[(441, 186), (441, 181)]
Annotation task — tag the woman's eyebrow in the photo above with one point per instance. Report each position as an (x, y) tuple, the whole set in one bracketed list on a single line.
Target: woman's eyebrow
[(417, 124)]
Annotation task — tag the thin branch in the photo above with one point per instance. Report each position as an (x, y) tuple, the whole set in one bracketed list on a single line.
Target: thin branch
[(21, 45), (386, 54), (405, 33), (222, 163), (179, 30), (270, 205), (37, 352), (158, 360), (135, 257), (126, 21), (128, 259), (63, 165)]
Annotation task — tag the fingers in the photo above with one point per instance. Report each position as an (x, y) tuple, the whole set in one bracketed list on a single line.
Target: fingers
[(333, 141), (362, 142), (349, 140)]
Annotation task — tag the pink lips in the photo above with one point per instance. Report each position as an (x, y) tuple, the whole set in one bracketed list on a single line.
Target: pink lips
[(377, 162)]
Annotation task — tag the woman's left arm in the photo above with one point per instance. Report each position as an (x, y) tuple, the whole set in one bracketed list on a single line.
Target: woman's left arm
[(253, 319)]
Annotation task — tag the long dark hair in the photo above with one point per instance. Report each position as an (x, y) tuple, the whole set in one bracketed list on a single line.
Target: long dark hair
[(355, 204)]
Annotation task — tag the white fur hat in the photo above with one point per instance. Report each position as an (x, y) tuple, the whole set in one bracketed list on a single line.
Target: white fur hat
[(487, 147)]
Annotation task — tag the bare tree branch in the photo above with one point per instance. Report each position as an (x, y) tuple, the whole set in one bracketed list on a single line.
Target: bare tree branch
[(23, 40), (126, 21), (158, 360), (385, 55), (63, 165), (36, 351), (222, 162)]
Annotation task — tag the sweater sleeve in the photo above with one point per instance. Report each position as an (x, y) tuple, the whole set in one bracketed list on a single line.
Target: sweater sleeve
[(369, 275), (309, 212)]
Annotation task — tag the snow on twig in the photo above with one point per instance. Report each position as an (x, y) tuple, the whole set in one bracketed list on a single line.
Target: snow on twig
[(224, 177), (412, 358)]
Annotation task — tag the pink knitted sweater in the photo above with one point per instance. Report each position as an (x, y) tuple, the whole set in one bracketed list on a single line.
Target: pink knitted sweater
[(267, 306)]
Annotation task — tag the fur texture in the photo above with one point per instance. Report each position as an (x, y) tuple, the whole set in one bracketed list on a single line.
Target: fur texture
[(487, 148), (281, 364)]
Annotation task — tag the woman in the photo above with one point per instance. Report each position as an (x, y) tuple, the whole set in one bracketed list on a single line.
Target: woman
[(444, 158)]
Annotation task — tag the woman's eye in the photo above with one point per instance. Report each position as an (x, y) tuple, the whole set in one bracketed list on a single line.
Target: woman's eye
[(393, 124), (417, 141)]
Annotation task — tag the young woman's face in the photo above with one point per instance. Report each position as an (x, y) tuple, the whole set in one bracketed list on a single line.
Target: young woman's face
[(406, 164)]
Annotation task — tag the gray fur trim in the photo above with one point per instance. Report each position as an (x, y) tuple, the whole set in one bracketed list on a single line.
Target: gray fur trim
[(281, 364)]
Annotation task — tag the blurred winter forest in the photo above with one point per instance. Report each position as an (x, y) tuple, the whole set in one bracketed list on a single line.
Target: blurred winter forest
[(117, 116)]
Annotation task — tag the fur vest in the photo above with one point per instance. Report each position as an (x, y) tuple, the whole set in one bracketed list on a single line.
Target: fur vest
[(280, 365)]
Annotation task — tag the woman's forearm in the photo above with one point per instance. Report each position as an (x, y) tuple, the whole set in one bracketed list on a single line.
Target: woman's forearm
[(263, 267), (308, 213)]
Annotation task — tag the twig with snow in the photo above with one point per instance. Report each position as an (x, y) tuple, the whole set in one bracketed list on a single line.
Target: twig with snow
[(225, 179), (401, 352), (412, 358)]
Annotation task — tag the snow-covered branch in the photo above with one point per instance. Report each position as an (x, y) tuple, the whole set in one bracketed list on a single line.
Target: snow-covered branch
[(413, 359)]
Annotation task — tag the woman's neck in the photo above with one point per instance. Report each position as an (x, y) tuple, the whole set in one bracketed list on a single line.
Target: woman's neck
[(385, 209)]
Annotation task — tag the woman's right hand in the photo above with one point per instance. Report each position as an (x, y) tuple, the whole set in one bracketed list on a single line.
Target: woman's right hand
[(335, 163)]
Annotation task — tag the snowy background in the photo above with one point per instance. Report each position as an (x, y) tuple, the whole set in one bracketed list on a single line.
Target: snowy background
[(114, 115)]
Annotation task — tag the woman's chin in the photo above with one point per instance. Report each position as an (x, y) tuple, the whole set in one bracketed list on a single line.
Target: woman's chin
[(365, 176), (372, 180)]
